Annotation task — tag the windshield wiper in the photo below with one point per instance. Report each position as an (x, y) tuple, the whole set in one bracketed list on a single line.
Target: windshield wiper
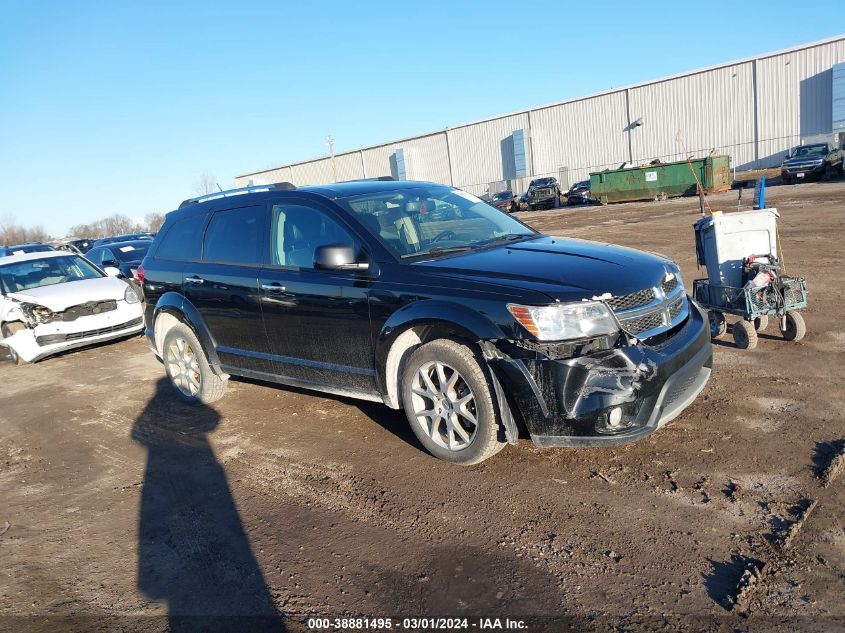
[(507, 237), (437, 250)]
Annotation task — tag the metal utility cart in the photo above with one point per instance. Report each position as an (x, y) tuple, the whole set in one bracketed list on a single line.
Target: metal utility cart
[(745, 278)]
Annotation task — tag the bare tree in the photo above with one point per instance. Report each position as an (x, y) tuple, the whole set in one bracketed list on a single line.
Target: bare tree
[(206, 183), (154, 221), (13, 233)]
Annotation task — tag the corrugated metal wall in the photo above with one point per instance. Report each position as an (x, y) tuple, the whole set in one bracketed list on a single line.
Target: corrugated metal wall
[(715, 110), (566, 136), (479, 151), (794, 97), (426, 157)]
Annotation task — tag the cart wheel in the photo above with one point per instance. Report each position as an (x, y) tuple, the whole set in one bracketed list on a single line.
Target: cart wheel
[(795, 327), (718, 325), (761, 322), (745, 336)]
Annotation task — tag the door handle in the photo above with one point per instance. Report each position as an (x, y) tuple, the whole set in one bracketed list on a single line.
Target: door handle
[(273, 287), (194, 280)]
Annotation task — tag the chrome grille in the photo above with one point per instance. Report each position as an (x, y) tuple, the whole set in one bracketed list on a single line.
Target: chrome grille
[(631, 301), (669, 285), (647, 322), (676, 308), (651, 311)]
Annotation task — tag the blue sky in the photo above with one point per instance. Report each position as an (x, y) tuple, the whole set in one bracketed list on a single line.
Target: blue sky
[(118, 107)]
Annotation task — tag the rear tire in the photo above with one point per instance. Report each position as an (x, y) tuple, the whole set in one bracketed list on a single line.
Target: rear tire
[(795, 327), (761, 322), (444, 388), (745, 336), (188, 369)]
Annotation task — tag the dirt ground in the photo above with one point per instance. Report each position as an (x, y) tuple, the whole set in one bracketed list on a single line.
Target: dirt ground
[(118, 503)]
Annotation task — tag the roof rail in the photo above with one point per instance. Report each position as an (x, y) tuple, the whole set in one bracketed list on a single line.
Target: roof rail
[(280, 186), (373, 179)]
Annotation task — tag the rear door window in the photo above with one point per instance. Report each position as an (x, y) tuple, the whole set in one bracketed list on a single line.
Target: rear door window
[(236, 236), (182, 241)]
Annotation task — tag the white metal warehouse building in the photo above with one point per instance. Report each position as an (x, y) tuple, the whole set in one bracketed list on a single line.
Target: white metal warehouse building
[(753, 110)]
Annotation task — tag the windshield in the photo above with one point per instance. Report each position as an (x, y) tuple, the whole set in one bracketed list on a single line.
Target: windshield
[(130, 252), (503, 195), (810, 150), (432, 220), (36, 273), (542, 182)]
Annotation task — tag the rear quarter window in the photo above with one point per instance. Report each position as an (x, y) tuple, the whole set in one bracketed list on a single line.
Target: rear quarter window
[(183, 239), (235, 236)]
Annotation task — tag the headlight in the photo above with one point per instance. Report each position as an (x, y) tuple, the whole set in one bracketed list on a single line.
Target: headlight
[(130, 296), (562, 321)]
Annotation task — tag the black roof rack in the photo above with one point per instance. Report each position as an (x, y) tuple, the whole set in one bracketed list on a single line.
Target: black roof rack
[(280, 186), (374, 178)]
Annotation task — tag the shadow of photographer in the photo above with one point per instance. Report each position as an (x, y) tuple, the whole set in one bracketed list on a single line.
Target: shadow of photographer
[(193, 553)]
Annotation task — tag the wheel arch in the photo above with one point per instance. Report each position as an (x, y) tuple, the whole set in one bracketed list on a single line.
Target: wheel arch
[(418, 323), (173, 309)]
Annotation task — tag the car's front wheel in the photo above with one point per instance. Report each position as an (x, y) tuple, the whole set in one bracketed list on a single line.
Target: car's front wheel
[(188, 368), (448, 400), (9, 330)]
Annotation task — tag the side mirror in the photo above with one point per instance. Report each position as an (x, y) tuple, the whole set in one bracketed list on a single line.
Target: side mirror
[(338, 257), (111, 271)]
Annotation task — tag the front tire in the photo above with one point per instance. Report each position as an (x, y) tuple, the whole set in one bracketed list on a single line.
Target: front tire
[(448, 400), (745, 336), (718, 324), (795, 327), (188, 368), (13, 355)]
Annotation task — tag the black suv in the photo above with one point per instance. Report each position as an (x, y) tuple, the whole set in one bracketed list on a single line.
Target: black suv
[(543, 193), (423, 297)]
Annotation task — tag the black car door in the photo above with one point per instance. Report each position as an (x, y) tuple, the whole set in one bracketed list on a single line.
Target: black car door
[(223, 287), (317, 321)]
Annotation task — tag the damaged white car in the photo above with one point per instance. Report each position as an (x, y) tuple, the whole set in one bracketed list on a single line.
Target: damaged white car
[(53, 302)]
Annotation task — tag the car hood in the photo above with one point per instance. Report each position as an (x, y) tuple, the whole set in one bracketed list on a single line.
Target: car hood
[(803, 160), (60, 297), (565, 269)]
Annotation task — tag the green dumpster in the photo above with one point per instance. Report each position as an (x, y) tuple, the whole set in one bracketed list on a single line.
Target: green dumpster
[(662, 180)]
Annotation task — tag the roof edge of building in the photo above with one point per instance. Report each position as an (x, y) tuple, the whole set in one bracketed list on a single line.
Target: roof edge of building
[(689, 73)]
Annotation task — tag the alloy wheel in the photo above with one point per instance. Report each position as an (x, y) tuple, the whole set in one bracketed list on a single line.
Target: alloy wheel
[(183, 367), (444, 406)]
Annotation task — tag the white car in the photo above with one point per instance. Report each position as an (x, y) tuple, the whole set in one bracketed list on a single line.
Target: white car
[(56, 301)]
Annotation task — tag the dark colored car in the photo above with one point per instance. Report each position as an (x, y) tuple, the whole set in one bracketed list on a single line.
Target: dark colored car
[(808, 162), (122, 238), (543, 193), (580, 193), (124, 256), (29, 247), (505, 201), (480, 328), (83, 245)]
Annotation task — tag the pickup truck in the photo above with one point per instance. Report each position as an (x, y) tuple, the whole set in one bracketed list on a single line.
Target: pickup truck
[(805, 162)]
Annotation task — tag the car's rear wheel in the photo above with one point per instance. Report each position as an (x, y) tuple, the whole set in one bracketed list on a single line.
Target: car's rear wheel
[(449, 403), (188, 368)]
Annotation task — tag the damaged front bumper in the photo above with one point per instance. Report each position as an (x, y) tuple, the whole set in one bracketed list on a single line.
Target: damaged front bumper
[(45, 339), (607, 397)]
